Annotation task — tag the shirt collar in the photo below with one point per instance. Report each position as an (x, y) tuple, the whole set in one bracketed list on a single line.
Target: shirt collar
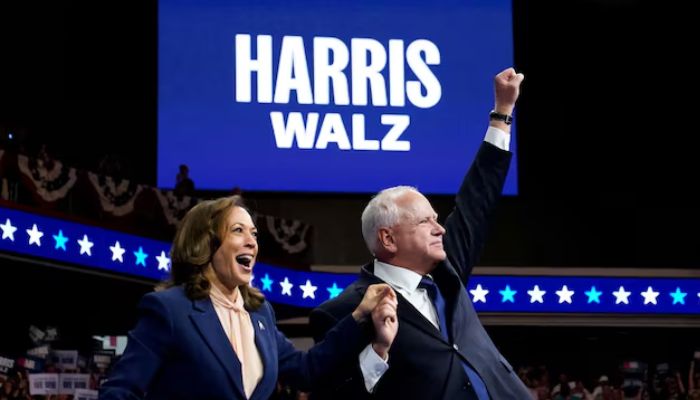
[(401, 279)]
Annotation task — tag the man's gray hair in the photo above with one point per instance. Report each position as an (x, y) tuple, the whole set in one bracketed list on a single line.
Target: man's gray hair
[(382, 212)]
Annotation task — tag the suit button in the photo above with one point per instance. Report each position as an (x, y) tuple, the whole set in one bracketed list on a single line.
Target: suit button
[(455, 346)]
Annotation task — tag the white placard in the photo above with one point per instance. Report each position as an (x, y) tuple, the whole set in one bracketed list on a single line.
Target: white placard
[(116, 343), (65, 359), (36, 334), (41, 351), (69, 383), (43, 384), (102, 361), (51, 334), (6, 364)]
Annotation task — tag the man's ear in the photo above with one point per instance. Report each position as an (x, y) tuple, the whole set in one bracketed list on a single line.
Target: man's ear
[(386, 240)]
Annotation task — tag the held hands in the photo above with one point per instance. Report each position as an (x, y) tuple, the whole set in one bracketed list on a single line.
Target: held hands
[(386, 324), (380, 301), (507, 88)]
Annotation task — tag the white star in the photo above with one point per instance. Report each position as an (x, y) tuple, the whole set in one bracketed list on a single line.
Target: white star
[(479, 294), (163, 262), (35, 235), (650, 296), (286, 286), (564, 294), (536, 295), (8, 231), (117, 252), (621, 296), (308, 289), (85, 245)]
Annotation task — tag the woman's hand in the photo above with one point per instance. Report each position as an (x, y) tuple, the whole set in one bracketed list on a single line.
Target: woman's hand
[(386, 323), (373, 296), (380, 301)]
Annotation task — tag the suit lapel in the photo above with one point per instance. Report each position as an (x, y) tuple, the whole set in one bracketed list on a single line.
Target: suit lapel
[(406, 311), (209, 327), (452, 289), (262, 342)]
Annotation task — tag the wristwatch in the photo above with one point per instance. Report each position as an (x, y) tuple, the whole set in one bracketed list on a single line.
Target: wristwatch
[(495, 116)]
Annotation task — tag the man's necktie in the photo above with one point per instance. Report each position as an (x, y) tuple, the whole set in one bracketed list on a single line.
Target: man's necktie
[(439, 303)]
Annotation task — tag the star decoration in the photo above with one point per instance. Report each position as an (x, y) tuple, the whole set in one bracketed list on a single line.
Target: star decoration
[(621, 296), (678, 296), (536, 295), (85, 245), (508, 294), (479, 294), (594, 301), (286, 286), (60, 240), (8, 231), (564, 294), (163, 262), (309, 290), (650, 296), (140, 257), (267, 283), (334, 291), (593, 295), (35, 235), (117, 252)]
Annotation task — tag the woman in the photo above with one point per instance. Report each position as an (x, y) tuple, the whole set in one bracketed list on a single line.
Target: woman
[(209, 335)]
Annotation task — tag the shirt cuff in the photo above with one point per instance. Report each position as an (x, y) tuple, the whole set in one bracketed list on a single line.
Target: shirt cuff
[(372, 366), (498, 138)]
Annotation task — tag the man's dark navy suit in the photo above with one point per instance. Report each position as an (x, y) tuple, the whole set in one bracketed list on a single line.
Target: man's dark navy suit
[(423, 365)]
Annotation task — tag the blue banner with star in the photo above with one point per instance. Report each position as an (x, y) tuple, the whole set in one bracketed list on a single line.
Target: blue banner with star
[(69, 242), (548, 294)]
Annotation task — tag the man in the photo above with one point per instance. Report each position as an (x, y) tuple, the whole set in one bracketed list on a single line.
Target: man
[(184, 185), (441, 350)]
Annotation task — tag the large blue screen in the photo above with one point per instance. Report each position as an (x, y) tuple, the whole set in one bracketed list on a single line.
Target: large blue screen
[(327, 96)]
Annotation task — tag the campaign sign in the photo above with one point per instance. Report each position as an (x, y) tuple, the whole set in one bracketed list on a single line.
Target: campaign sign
[(65, 359), (6, 364), (68, 383), (43, 384), (32, 364), (327, 96), (101, 359)]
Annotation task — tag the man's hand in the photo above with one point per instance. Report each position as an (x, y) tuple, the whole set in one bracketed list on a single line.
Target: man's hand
[(507, 88), (373, 296), (386, 323)]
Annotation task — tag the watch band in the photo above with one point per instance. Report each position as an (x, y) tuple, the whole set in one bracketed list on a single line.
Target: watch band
[(495, 116)]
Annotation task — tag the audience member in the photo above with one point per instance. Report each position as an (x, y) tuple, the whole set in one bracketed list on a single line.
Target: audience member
[(184, 185)]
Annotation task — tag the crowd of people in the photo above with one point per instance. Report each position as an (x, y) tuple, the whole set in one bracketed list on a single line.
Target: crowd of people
[(631, 380)]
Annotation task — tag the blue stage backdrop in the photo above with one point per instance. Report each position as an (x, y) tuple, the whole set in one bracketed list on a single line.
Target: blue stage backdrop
[(99, 249), (327, 96)]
